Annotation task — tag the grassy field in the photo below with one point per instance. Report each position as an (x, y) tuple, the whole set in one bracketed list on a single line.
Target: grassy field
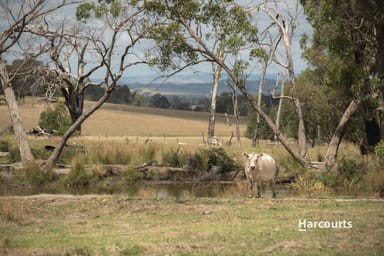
[(143, 225), (118, 225), (125, 120)]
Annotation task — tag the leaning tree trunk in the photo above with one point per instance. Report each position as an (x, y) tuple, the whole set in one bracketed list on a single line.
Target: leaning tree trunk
[(333, 147), (54, 157), (21, 135)]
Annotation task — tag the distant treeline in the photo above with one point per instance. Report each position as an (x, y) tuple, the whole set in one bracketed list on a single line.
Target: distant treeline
[(123, 95)]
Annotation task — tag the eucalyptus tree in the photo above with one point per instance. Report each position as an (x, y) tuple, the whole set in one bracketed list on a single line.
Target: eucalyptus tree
[(121, 26), (347, 51), (71, 50), (186, 26), (284, 16), (217, 27), (16, 18)]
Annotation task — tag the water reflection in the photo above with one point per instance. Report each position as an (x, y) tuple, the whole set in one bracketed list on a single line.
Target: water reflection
[(169, 190), (185, 191)]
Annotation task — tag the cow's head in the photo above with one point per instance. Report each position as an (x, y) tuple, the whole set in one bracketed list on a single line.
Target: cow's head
[(252, 159)]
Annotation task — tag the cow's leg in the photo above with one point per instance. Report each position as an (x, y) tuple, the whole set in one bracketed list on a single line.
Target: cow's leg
[(251, 188), (271, 184), (258, 195)]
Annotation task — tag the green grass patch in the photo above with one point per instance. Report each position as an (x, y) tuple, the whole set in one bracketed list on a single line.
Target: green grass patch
[(116, 225)]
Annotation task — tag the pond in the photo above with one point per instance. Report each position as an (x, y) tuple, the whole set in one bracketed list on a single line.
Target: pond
[(161, 190), (184, 191)]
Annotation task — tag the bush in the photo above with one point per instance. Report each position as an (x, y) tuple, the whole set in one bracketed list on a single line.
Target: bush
[(379, 149), (35, 176), (363, 176), (147, 153), (199, 161), (132, 177), (8, 144), (55, 120), (175, 158), (310, 182), (77, 177), (218, 158), (350, 172)]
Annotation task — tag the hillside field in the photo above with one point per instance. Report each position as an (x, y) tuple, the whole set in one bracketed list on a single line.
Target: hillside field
[(126, 120)]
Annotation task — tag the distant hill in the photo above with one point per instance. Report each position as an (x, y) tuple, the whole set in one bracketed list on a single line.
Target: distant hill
[(189, 86)]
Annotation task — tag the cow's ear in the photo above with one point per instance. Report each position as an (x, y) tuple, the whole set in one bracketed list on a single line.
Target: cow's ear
[(245, 155)]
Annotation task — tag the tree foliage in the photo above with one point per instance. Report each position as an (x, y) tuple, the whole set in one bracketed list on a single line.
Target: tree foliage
[(346, 50), (346, 47), (55, 120), (194, 28)]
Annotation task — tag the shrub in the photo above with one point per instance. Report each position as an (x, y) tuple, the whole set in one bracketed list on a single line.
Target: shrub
[(73, 151), (379, 149), (35, 176), (311, 182), (175, 158), (350, 172), (218, 158), (77, 177), (4, 143), (132, 177), (374, 181), (55, 120), (199, 161), (8, 144), (147, 152)]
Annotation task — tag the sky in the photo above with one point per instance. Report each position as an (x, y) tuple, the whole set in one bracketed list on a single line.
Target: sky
[(141, 70), (299, 63)]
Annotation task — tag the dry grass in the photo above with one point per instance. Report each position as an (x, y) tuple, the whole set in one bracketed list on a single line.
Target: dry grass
[(124, 120), (11, 211)]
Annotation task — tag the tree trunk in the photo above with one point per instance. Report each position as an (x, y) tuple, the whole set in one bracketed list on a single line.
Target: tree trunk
[(260, 92), (381, 114), (74, 100), (379, 69), (279, 107), (237, 115), (333, 147), (212, 111), (54, 157), (21, 135), (301, 135)]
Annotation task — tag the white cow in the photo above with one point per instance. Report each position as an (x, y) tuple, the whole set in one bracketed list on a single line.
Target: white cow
[(260, 168)]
